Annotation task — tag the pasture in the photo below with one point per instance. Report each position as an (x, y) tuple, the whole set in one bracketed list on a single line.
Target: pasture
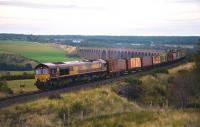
[(15, 72), (41, 52), (18, 87), (21, 86)]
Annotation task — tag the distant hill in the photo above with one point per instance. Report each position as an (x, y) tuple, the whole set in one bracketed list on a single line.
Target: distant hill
[(77, 39)]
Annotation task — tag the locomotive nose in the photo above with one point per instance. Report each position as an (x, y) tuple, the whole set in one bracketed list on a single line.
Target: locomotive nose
[(42, 77)]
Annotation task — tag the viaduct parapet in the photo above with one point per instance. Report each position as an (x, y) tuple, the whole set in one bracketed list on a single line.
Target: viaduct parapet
[(113, 53)]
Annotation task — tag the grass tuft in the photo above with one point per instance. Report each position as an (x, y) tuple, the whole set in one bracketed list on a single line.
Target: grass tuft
[(55, 96)]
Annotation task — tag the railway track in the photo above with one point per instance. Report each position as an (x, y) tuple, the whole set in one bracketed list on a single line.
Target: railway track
[(31, 96)]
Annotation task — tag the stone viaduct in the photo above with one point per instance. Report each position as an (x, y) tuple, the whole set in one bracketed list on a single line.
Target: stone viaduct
[(113, 53)]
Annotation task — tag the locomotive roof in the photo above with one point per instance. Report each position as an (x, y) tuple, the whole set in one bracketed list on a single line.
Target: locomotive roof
[(67, 64)]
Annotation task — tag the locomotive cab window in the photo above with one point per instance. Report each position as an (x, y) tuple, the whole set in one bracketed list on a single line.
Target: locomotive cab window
[(45, 71), (64, 71), (42, 71), (38, 71)]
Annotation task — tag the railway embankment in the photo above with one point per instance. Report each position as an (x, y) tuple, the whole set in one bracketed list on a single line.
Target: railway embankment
[(147, 103)]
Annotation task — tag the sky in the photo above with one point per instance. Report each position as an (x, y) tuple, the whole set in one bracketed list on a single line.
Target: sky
[(101, 17)]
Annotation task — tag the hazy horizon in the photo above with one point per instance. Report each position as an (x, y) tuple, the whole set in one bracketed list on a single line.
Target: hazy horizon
[(105, 35), (101, 17)]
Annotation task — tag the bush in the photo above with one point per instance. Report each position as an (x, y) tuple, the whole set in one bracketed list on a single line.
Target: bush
[(4, 87), (133, 90), (184, 89)]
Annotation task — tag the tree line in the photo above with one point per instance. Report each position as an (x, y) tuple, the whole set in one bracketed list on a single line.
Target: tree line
[(102, 39)]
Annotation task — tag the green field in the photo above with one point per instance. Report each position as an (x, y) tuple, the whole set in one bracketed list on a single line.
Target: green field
[(19, 87), (28, 85), (41, 52), (15, 72)]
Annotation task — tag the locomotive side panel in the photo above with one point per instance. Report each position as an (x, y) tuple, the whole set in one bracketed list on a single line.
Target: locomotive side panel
[(87, 68)]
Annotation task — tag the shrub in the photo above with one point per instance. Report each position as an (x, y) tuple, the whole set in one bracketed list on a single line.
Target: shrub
[(22, 86), (133, 90), (4, 87), (184, 89)]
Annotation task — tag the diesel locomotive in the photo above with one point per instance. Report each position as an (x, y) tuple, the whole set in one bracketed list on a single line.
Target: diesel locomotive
[(60, 74)]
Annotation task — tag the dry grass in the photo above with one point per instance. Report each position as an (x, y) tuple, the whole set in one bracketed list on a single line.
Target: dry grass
[(70, 108), (100, 107), (187, 66), (145, 119)]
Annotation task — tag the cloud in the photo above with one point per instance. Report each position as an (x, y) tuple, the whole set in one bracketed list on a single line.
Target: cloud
[(187, 1), (41, 5)]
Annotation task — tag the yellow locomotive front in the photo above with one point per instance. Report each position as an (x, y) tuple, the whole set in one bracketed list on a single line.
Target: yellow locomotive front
[(42, 75)]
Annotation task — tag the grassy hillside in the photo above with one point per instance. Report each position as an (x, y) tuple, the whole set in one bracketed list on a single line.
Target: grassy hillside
[(99, 107), (66, 109), (103, 107), (145, 118), (33, 50)]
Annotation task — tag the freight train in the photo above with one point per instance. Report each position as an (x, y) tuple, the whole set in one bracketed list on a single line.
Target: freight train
[(59, 74)]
